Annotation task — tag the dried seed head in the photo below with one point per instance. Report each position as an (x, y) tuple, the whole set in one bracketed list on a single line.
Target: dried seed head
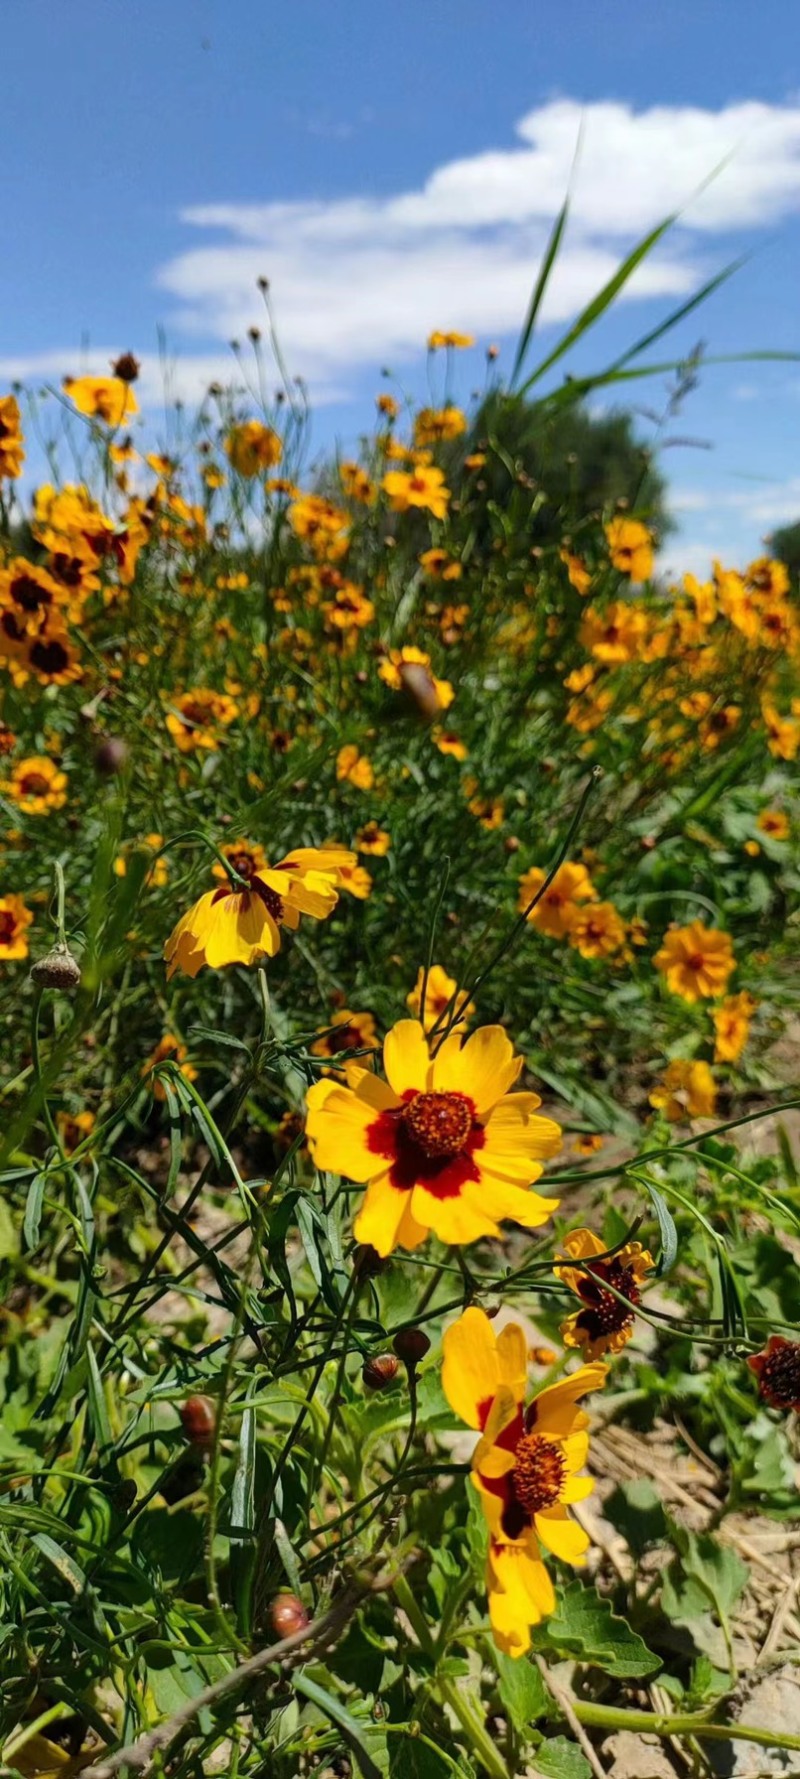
[(58, 969), (380, 1372), (127, 368)]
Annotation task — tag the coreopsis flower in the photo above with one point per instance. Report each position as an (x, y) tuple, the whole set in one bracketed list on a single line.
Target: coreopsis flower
[(354, 767), (241, 925), (442, 1145), (387, 405), (439, 991), (422, 487), (251, 447), (732, 1026), (687, 1090), (783, 733), (696, 961), (439, 565), (373, 840), (15, 919), (320, 524), (109, 399), (555, 911), (615, 634), (768, 577), (32, 594), (357, 484), (448, 743), (350, 609), (12, 449), (355, 880), (454, 340), (489, 811), (50, 656), (407, 669), (73, 1128), (168, 1049), (578, 575), (194, 719), (630, 546), (524, 1466), (433, 424), (774, 823), (603, 1324), (587, 1143), (37, 785), (597, 930), (348, 1031), (778, 1371)]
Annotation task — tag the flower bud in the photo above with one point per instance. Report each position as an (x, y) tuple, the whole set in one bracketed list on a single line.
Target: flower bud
[(58, 969), (127, 367), (198, 1420), (110, 756), (287, 1615), (380, 1372), (411, 1345)]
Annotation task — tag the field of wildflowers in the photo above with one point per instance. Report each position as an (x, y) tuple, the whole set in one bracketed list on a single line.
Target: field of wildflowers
[(398, 943)]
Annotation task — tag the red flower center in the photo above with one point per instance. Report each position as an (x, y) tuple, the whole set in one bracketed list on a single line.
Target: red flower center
[(243, 862), (539, 1473), (779, 1382), (49, 657), (439, 1123), (27, 592), (34, 784), (696, 961), (604, 1312), (8, 926)]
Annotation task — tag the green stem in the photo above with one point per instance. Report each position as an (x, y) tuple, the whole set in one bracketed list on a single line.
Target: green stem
[(460, 1706), (686, 1723)]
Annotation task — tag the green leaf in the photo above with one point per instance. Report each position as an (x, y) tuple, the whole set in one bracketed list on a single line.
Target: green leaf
[(32, 1220), (243, 1519), (167, 1544), (704, 1574), (522, 1690), (585, 1627), (9, 1237), (635, 1509), (559, 1759), (350, 1728), (537, 296), (666, 1229)]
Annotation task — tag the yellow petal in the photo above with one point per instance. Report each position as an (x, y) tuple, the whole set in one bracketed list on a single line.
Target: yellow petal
[(512, 1358), (470, 1369), (405, 1057), (337, 1124), (583, 1244), (576, 1488), (382, 1216), (455, 1221), (561, 1535), (484, 1068), (504, 1199), (513, 1128), (556, 1411)]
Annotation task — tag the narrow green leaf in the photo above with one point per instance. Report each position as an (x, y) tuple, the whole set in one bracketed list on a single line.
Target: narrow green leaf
[(351, 1730), (32, 1220), (537, 296)]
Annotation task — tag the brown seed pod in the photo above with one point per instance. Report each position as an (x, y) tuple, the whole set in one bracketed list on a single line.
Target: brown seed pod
[(287, 1615), (380, 1372), (127, 367), (57, 969), (411, 1345), (199, 1420)]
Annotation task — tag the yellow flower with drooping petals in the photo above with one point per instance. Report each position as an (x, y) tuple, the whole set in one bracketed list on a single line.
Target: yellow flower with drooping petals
[(442, 1145), (603, 1324), (241, 925), (696, 960), (687, 1090), (524, 1467), (12, 449)]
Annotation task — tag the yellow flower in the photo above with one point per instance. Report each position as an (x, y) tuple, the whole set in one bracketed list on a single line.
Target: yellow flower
[(587, 1143), (168, 1049), (615, 634), (387, 405), (578, 574), (354, 767), (374, 840), (732, 1026), (439, 565), (195, 718), (251, 446), (775, 823), (489, 811), (433, 424), (597, 931), (15, 918), (12, 450), (356, 484), (442, 1144), (73, 1128), (37, 785), (451, 339), (630, 546), (603, 1324), (783, 734), (349, 1031), (33, 595), (230, 925), (448, 743), (555, 911), (696, 960), (524, 1466), (356, 880), (109, 399), (349, 608), (422, 487), (409, 670), (439, 991), (323, 526), (687, 1090)]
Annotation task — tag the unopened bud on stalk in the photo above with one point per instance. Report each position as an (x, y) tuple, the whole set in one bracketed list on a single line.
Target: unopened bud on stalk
[(411, 1345), (110, 757), (380, 1372), (198, 1420), (57, 969), (287, 1615)]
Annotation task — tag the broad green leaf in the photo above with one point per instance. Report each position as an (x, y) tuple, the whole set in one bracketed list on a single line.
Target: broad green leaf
[(557, 1758), (522, 1690), (584, 1626)]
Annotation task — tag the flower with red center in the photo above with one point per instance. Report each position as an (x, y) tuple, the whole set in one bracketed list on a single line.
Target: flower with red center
[(597, 930), (12, 450), (439, 992), (778, 1373), (687, 1090), (15, 918), (696, 960), (51, 657), (168, 1049), (630, 546), (524, 1466), (348, 1031), (554, 913), (604, 1324), (240, 923), (251, 446), (441, 1144), (109, 399), (37, 785), (423, 486)]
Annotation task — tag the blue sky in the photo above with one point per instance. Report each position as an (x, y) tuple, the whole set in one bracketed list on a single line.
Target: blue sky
[(394, 170)]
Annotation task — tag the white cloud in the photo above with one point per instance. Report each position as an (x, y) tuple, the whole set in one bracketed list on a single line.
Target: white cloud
[(762, 503), (360, 280)]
